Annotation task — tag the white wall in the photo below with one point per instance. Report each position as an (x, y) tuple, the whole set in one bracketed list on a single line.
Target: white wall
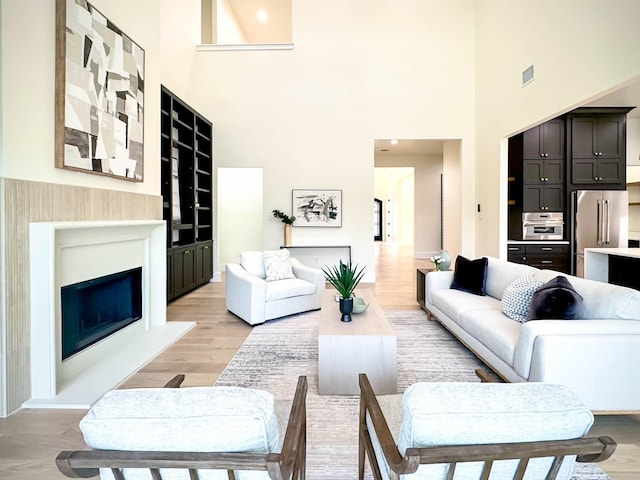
[(360, 70), (180, 27), (28, 93), (240, 213), (579, 49), (406, 210), (457, 224), (227, 29), (633, 141)]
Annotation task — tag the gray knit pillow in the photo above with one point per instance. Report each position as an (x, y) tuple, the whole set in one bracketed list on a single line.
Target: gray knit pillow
[(516, 298)]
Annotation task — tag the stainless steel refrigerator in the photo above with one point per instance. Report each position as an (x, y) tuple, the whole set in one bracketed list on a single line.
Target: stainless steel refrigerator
[(600, 219)]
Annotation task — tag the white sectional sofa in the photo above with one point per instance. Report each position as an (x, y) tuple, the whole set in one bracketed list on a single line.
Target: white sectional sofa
[(596, 354)]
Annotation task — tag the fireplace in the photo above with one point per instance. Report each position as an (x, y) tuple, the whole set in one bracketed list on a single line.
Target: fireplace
[(96, 308), (75, 268)]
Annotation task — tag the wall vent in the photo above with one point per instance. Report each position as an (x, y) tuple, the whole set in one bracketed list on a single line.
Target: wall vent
[(527, 75)]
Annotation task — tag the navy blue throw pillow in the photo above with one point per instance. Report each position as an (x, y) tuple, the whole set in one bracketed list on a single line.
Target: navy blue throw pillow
[(556, 299), (470, 275)]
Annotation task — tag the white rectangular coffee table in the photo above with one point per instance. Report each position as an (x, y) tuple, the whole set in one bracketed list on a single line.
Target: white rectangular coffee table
[(367, 344)]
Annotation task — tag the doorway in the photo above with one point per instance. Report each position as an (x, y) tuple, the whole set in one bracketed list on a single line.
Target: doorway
[(377, 220), (394, 186), (240, 212), (436, 166)]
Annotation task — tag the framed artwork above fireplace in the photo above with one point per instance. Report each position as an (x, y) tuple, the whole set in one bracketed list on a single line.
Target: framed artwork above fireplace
[(100, 85)]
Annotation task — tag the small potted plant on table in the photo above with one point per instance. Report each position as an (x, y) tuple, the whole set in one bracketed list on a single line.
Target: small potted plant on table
[(344, 278)]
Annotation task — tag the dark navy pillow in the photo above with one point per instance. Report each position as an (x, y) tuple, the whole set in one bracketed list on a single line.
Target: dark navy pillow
[(556, 299), (470, 275)]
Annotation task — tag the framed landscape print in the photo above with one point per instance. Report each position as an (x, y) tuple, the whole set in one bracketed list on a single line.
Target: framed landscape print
[(317, 208), (99, 94)]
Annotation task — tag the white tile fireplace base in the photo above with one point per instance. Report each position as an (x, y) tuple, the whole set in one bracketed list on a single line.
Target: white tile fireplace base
[(97, 380), (64, 253)]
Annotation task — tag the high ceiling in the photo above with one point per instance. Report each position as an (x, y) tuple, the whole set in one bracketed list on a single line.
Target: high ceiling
[(276, 27)]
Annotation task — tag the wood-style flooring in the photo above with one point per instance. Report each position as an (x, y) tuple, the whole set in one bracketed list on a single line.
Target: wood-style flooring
[(30, 439)]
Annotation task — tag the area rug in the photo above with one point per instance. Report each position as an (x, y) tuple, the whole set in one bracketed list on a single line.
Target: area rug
[(276, 353)]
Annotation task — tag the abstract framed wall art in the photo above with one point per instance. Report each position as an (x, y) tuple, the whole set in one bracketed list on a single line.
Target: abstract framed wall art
[(317, 208), (99, 94)]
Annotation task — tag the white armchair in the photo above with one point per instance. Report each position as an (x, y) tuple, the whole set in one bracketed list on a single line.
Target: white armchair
[(268, 285)]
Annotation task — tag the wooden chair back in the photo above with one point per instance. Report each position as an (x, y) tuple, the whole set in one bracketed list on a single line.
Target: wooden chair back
[(289, 464)]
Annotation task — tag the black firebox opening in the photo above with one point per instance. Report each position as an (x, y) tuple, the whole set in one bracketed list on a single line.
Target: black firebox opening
[(95, 309)]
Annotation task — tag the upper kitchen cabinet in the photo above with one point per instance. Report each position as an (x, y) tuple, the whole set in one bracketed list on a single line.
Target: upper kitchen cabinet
[(543, 166), (542, 171), (597, 146), (543, 198), (545, 141)]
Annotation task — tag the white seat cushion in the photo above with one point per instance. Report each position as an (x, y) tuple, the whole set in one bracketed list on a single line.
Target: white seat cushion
[(203, 419), (455, 302), (494, 330), (480, 413), (288, 288), (200, 419)]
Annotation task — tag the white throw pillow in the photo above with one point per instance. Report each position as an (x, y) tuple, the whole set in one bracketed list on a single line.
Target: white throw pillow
[(277, 265), (517, 297)]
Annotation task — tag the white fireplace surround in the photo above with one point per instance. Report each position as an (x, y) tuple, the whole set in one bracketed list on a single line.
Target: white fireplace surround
[(64, 253)]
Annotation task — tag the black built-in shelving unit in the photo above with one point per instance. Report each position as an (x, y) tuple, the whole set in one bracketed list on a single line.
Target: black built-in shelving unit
[(187, 194)]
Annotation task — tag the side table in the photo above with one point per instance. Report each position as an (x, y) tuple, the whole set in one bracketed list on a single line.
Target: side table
[(420, 278)]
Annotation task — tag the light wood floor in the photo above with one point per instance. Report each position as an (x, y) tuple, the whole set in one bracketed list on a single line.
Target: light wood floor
[(30, 439)]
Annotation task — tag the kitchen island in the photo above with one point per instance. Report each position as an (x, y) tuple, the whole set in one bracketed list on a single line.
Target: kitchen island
[(619, 266)]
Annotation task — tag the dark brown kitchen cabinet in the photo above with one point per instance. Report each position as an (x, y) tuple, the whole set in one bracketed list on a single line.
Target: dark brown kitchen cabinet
[(186, 156), (608, 171), (542, 171), (541, 255), (545, 141), (543, 165), (597, 137), (598, 148), (542, 198)]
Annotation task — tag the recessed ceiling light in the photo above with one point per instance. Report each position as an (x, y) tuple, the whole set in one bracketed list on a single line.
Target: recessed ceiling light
[(262, 15), (394, 142)]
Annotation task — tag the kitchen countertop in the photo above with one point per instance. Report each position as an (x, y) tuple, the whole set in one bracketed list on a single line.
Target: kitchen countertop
[(623, 252), (596, 261), (538, 242)]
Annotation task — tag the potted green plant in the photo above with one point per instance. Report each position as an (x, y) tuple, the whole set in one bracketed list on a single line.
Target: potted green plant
[(344, 278), (288, 221)]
